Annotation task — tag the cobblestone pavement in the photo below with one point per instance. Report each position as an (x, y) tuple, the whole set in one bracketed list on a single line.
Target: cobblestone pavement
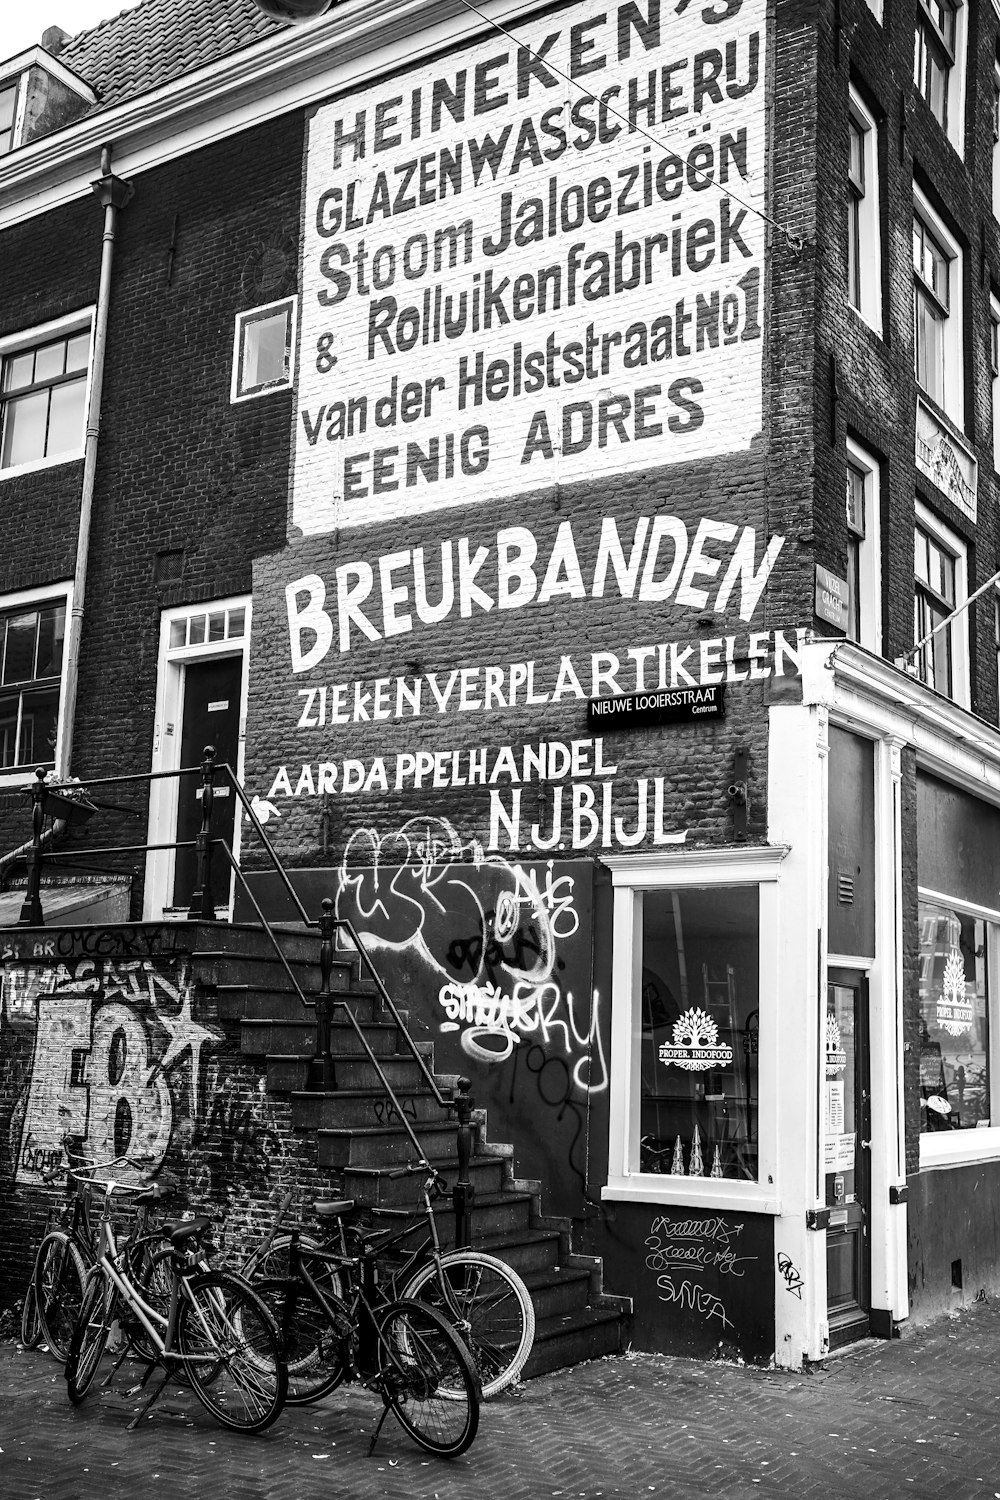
[(918, 1417)]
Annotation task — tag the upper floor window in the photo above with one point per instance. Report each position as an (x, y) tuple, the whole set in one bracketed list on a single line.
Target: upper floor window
[(864, 248), (264, 350), (938, 43), (940, 588), (8, 116), (31, 660), (864, 573), (43, 394), (937, 312)]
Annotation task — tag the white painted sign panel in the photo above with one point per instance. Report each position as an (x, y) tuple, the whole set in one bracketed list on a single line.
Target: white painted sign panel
[(533, 260)]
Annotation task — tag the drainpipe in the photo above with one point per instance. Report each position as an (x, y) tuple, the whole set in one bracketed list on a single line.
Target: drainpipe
[(113, 193)]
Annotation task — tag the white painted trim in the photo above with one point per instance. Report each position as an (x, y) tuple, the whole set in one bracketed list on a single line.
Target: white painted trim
[(632, 874), (953, 403), (870, 569), (44, 333), (162, 823), (956, 545), (862, 964), (953, 1148), (869, 220), (255, 313), (38, 57), (358, 41)]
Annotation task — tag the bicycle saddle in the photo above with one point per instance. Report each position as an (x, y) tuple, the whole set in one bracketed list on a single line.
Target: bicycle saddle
[(186, 1229), (333, 1208)]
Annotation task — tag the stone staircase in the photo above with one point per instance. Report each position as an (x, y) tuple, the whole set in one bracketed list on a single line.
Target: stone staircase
[(359, 1139)]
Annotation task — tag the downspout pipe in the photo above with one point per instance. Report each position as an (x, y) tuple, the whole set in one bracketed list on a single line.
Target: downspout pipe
[(113, 193)]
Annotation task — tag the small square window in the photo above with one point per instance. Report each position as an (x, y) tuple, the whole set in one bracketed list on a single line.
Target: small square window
[(263, 354)]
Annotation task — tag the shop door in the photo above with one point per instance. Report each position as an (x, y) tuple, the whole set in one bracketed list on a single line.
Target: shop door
[(211, 716), (847, 1161)]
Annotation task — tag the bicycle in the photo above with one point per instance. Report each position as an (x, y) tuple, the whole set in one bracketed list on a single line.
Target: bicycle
[(399, 1348), (55, 1290), (216, 1331), (483, 1297)]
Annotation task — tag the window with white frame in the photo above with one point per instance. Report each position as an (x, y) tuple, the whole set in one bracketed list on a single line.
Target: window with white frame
[(263, 353), (940, 589), (32, 635), (44, 380), (864, 568), (864, 248), (8, 115), (938, 52), (693, 1028), (995, 375), (937, 311)]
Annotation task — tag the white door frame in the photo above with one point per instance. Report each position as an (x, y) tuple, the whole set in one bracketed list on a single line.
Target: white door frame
[(172, 664)]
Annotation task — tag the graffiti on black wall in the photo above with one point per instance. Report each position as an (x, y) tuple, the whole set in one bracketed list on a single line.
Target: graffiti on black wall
[(492, 937), (694, 1257), (114, 1057)]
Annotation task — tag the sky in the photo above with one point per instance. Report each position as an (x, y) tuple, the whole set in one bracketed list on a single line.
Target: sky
[(21, 26)]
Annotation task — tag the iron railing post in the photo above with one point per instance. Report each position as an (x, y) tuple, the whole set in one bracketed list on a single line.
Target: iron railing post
[(31, 909), (321, 1076), (463, 1192), (202, 904)]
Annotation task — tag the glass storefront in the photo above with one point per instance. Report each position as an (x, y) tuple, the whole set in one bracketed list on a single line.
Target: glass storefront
[(699, 1015), (954, 1020)]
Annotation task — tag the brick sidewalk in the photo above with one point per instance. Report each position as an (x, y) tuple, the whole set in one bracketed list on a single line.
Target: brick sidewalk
[(919, 1417)]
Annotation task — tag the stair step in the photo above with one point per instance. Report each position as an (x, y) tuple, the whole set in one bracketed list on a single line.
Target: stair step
[(362, 1108), (386, 1145), (378, 1188), (286, 1072), (244, 940), (257, 1002), (558, 1292), (258, 1038), (588, 1333)]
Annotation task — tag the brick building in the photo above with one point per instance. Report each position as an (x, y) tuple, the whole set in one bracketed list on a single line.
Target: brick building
[(448, 414)]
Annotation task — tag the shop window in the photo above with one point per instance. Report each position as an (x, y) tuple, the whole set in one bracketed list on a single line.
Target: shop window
[(937, 312), (32, 634), (938, 47), (693, 1032), (264, 350), (699, 1018), (940, 589), (864, 571), (864, 249), (955, 1076), (43, 394)]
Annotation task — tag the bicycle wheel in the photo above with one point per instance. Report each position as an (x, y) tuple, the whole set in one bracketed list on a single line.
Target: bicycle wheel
[(489, 1305), (314, 1344), (60, 1275), (31, 1328), (153, 1283), (427, 1376), (90, 1336), (272, 1264), (231, 1341)]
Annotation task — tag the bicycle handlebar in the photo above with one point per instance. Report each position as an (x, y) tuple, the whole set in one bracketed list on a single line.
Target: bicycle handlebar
[(435, 1182)]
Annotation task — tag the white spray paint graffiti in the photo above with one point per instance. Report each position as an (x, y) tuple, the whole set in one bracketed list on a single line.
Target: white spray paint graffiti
[(693, 1246), (100, 1064), (425, 891)]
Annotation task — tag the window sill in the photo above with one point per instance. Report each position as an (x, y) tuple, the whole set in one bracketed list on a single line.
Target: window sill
[(692, 1192), (953, 1148), (264, 390), (17, 470)]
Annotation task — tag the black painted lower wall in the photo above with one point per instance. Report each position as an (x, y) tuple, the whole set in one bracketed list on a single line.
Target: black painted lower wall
[(954, 1237)]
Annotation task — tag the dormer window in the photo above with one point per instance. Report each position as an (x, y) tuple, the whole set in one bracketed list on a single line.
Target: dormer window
[(38, 94)]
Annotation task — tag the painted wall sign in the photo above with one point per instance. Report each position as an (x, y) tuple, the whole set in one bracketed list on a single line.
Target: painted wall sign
[(666, 706), (522, 261), (832, 598)]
